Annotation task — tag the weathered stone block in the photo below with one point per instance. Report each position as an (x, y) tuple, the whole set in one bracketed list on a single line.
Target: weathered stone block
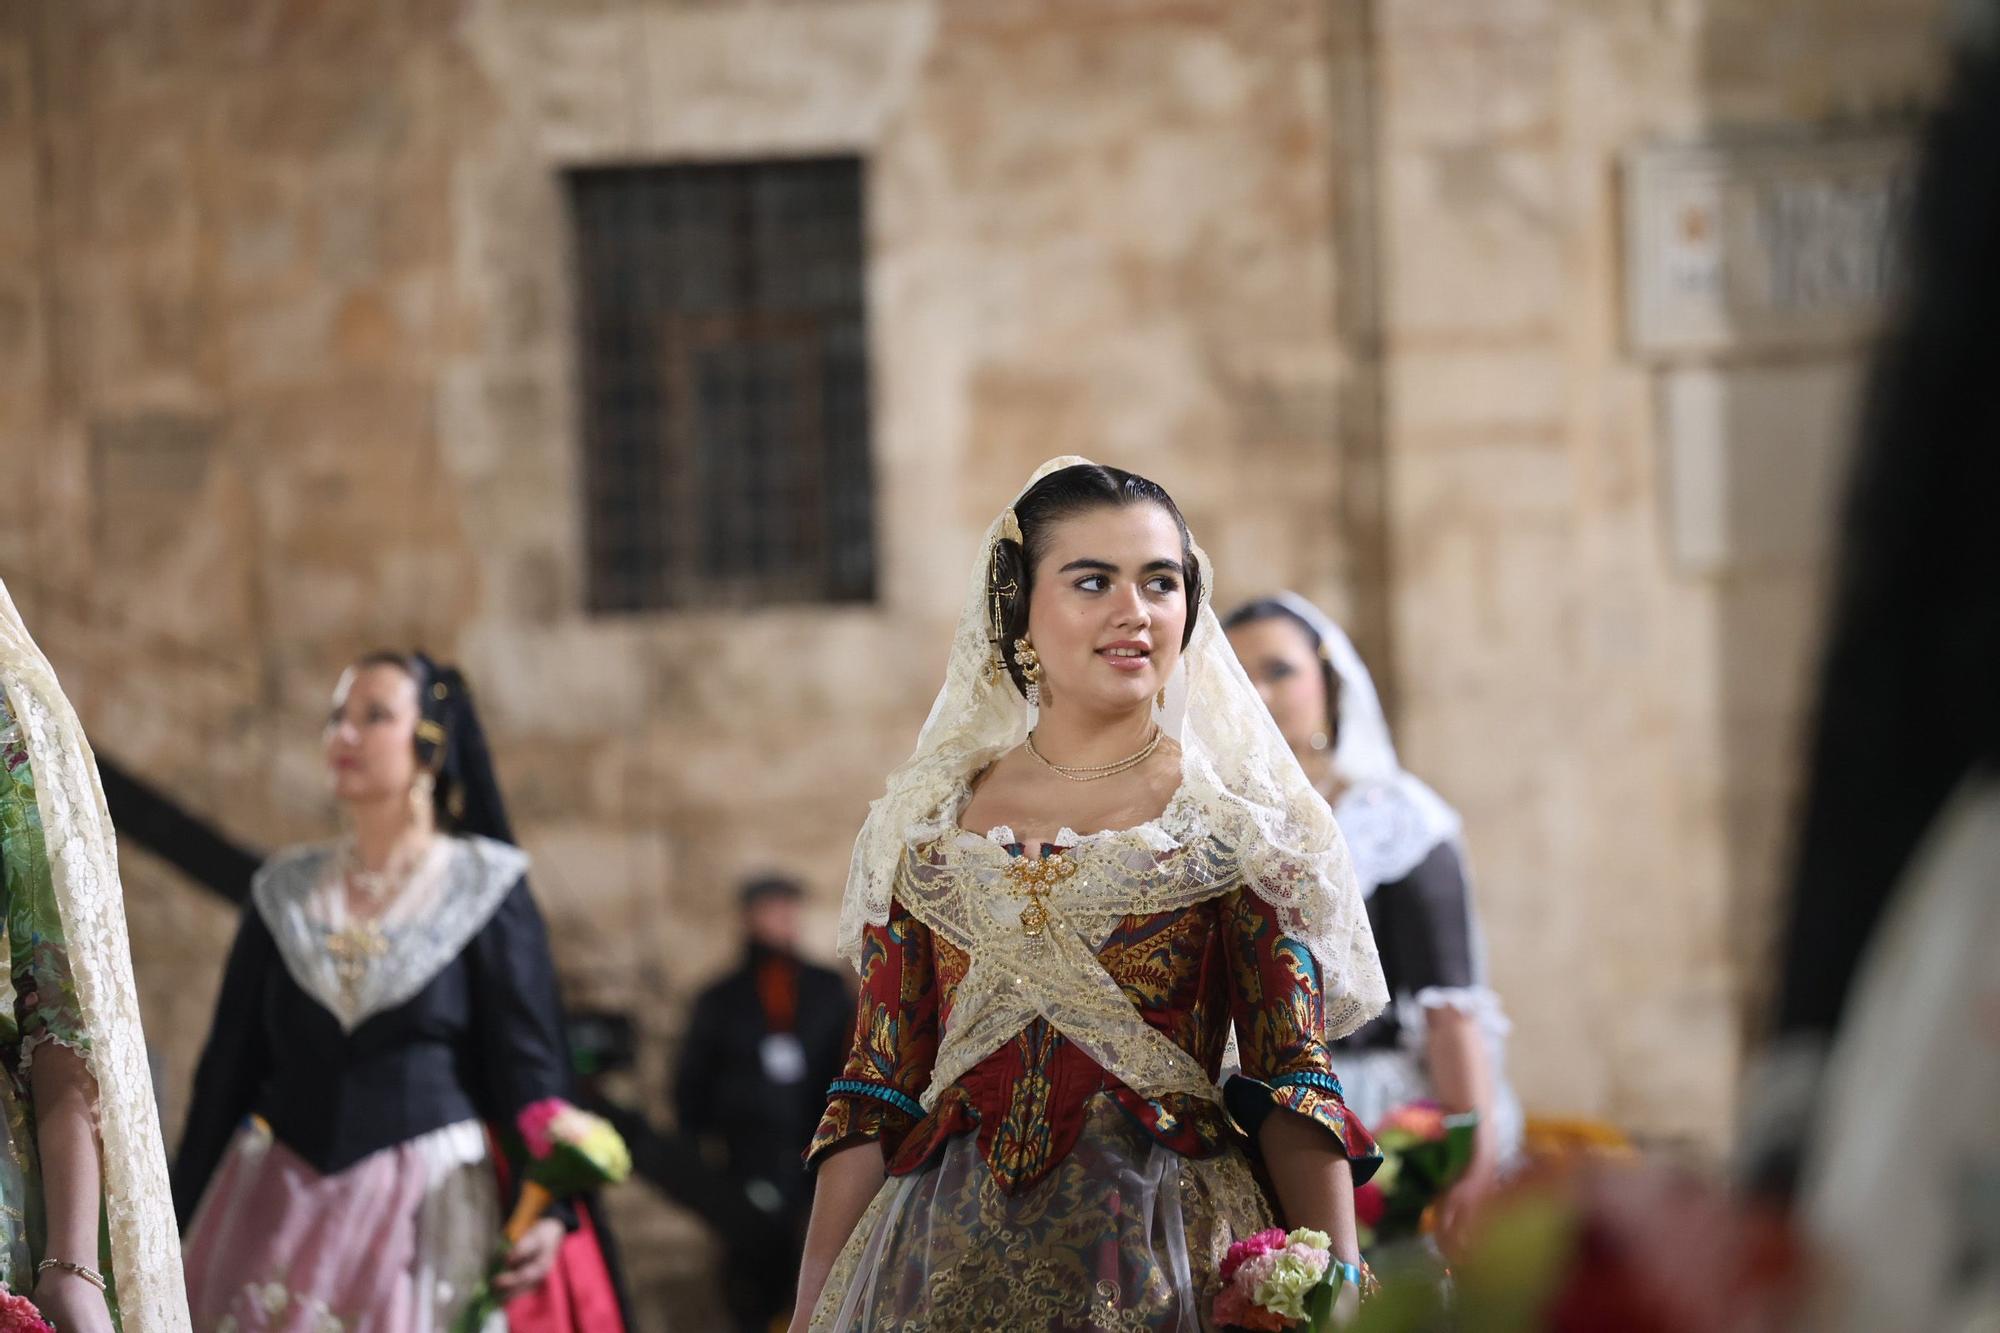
[(148, 472)]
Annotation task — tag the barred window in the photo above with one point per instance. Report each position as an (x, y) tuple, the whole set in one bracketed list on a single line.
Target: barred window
[(724, 367)]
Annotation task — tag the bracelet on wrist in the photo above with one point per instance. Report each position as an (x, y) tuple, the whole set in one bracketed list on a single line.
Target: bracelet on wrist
[(84, 1271), (1358, 1276)]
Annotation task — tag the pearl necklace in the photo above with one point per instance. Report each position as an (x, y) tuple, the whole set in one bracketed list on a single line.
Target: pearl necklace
[(1083, 773), (360, 940), (379, 888)]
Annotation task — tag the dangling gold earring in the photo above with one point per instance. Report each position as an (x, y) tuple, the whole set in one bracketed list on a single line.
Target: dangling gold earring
[(1160, 699), (422, 787), (1030, 662), (996, 666)]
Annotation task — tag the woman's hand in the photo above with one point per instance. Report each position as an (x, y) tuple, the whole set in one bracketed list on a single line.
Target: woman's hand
[(1346, 1306), (529, 1262), (1458, 1210), (71, 1304), (1462, 1075)]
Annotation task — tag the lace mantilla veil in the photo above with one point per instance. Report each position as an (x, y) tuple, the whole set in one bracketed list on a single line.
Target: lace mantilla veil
[(83, 855), (1241, 786), (1391, 818)]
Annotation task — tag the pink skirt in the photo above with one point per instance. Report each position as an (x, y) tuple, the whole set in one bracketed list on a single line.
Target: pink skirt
[(393, 1244)]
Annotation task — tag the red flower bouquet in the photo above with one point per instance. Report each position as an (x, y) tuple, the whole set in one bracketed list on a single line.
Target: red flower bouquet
[(1424, 1152)]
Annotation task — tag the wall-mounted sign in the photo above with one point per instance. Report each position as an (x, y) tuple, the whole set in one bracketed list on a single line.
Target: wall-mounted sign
[(1751, 246)]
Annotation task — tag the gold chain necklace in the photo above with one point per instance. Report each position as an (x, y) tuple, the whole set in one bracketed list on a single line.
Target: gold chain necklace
[(1081, 773)]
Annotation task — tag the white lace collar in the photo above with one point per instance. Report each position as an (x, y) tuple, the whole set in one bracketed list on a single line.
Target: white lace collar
[(1391, 826), (448, 900)]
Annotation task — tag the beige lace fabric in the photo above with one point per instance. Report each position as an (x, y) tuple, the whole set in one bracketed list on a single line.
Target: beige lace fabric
[(1245, 814), (959, 887), (83, 854)]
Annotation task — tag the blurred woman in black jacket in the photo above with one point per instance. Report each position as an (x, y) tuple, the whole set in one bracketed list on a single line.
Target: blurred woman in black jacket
[(390, 1001)]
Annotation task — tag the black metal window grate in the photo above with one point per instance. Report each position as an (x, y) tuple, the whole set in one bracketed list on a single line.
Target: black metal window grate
[(725, 384)]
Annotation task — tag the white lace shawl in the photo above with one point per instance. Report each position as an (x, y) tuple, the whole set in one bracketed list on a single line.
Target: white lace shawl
[(449, 898), (83, 858), (1242, 791)]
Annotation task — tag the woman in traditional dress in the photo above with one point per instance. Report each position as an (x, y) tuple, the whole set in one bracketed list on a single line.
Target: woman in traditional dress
[(390, 999), (79, 1134), (1442, 1036), (1100, 855)]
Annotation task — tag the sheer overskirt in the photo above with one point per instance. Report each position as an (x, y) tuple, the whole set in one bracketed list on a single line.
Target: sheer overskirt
[(1124, 1234)]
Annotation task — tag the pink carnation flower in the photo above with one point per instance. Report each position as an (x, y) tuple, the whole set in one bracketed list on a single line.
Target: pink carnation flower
[(1257, 1269), (1232, 1307), (1249, 1248), (1310, 1257), (534, 1122), (1235, 1309), (19, 1315)]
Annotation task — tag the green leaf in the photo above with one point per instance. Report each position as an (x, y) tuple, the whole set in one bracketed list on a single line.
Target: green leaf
[(1319, 1305), (1460, 1132)]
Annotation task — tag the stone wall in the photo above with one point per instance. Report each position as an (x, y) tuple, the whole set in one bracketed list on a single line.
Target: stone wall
[(1618, 727), (286, 371), (290, 289)]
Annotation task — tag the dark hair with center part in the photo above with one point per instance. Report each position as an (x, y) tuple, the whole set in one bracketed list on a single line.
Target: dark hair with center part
[(1270, 608), (1062, 495)]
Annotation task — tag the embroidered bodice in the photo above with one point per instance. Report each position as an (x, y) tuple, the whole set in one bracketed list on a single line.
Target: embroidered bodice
[(1006, 990)]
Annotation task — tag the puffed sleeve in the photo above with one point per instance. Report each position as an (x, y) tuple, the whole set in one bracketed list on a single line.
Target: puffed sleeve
[(1279, 1007), (46, 1008), (895, 1041)]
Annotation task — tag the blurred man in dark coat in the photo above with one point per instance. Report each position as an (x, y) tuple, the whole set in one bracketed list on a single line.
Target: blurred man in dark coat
[(762, 1045)]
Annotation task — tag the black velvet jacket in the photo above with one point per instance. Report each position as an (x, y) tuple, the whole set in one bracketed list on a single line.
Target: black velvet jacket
[(1423, 932), (482, 1038)]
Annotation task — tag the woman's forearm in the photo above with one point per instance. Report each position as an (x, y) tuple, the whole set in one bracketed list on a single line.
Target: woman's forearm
[(1461, 1073), (65, 1102), (847, 1183), (1314, 1183)]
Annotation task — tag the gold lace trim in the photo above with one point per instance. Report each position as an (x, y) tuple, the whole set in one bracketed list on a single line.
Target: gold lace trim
[(1038, 958)]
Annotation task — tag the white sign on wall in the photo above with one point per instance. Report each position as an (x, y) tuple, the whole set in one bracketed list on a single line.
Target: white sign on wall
[(1752, 246)]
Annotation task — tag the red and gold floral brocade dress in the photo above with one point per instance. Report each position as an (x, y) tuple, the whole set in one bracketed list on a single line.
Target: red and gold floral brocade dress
[(1028, 1187)]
